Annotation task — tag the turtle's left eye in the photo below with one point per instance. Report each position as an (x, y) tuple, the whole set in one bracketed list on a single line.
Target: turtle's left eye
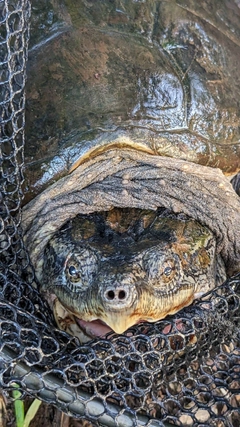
[(163, 269), (167, 271)]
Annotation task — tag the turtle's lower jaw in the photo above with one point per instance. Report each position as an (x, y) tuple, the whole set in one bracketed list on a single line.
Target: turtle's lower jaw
[(83, 330), (98, 328)]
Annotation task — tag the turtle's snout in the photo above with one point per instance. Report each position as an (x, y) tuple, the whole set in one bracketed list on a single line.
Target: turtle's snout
[(119, 296)]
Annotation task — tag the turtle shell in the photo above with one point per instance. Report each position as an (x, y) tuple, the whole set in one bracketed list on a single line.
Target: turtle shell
[(161, 79)]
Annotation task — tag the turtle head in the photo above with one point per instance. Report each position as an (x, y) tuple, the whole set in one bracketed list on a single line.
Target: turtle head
[(110, 281), (118, 292)]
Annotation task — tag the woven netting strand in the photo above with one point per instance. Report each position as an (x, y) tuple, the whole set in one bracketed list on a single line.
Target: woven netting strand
[(181, 371), (15, 268)]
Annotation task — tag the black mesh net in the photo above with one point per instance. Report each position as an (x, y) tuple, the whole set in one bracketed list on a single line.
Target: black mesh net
[(183, 371)]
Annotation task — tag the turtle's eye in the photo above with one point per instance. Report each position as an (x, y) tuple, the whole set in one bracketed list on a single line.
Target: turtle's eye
[(167, 271), (163, 269), (80, 269), (73, 273)]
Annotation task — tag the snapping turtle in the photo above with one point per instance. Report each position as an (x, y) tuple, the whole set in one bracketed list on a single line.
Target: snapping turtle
[(111, 270), (148, 82)]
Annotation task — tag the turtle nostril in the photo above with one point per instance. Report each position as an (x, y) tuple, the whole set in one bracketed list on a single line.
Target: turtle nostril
[(119, 294), (110, 295), (122, 294)]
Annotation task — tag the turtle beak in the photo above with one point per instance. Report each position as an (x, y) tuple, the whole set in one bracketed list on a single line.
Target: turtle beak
[(119, 322)]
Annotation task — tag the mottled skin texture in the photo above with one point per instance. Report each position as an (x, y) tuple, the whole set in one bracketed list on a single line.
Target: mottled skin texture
[(126, 266)]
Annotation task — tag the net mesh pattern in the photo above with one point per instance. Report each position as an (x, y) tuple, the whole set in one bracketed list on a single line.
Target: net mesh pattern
[(182, 371)]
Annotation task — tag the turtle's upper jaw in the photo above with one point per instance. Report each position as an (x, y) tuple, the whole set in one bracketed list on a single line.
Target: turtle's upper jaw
[(102, 319), (120, 321), (117, 321)]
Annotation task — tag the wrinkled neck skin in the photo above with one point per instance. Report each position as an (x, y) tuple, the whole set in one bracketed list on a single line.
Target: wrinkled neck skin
[(123, 177)]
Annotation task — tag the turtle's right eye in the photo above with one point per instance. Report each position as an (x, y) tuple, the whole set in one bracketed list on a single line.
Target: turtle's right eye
[(80, 268), (73, 273), (167, 271)]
